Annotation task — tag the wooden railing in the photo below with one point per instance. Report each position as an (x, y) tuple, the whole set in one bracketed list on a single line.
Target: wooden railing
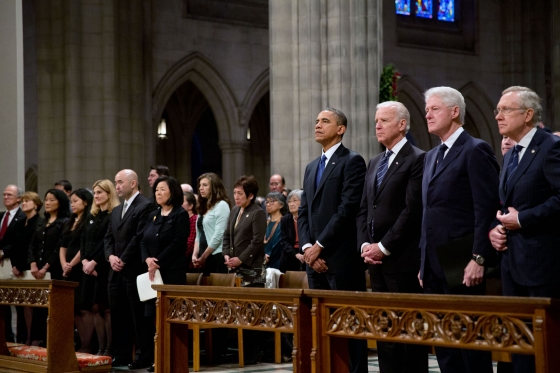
[(507, 324), (277, 310), (322, 321)]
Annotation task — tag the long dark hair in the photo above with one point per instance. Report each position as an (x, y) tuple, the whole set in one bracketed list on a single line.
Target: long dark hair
[(86, 196), (217, 193), (176, 197), (63, 203)]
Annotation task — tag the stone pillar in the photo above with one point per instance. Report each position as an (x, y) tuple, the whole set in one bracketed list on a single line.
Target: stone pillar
[(11, 95), (91, 102), (323, 54), (233, 163)]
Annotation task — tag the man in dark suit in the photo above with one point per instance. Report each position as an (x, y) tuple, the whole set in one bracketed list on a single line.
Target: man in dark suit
[(526, 227), (12, 223), (389, 225), (332, 189), (122, 250), (459, 198)]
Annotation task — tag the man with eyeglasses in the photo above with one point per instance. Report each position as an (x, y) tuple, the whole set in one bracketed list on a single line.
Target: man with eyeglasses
[(459, 202), (525, 231)]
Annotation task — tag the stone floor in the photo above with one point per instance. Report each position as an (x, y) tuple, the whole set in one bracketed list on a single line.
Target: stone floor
[(283, 368)]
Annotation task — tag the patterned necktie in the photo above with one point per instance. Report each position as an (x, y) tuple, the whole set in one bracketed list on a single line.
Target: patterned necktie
[(440, 155), (513, 163), (320, 170), (124, 209), (383, 167)]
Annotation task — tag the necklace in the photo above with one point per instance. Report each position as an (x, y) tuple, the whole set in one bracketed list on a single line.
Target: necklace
[(266, 239)]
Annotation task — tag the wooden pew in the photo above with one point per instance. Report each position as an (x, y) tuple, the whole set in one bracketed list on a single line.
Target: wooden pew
[(58, 297), (178, 307), (501, 324)]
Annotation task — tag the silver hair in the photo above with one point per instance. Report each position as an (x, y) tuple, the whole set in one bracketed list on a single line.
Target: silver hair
[(402, 111), (450, 97), (529, 99), (20, 192), (295, 193)]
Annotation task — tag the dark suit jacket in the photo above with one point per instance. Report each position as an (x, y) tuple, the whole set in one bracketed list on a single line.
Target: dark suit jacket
[(13, 231), (165, 238), (533, 254), (20, 246), (45, 245), (459, 200), (288, 260), (328, 213), (395, 209), (246, 241), (124, 235)]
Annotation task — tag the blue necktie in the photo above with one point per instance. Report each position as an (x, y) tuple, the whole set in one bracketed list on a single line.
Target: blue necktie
[(320, 170), (383, 167), (513, 163), (440, 155)]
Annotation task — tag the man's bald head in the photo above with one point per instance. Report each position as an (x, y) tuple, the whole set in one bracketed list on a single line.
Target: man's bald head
[(126, 183), (186, 188)]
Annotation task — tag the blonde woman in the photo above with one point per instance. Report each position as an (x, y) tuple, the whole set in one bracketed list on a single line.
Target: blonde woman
[(95, 268)]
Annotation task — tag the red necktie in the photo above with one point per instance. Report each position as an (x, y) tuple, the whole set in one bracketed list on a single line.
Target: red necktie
[(4, 224)]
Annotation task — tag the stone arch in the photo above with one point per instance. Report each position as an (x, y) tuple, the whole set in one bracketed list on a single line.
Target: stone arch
[(259, 87), (208, 80), (411, 95), (31, 179), (480, 111)]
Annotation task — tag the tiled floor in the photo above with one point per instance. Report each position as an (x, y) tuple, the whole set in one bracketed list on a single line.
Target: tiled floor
[(284, 368)]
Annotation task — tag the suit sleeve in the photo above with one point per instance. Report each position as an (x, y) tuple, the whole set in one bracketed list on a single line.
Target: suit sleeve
[(303, 222), (226, 245), (256, 247), (134, 245), (352, 188), (483, 172), (361, 219), (178, 244), (410, 218), (109, 240)]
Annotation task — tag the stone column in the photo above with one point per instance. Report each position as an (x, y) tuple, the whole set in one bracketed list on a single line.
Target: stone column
[(322, 54), (11, 95), (91, 102), (233, 163)]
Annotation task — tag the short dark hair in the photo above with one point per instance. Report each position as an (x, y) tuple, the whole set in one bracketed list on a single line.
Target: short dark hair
[(249, 185), (161, 170), (176, 198), (192, 200), (339, 115), (63, 203), (65, 184)]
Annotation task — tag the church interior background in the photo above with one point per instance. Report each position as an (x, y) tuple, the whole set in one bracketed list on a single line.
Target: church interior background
[(238, 83)]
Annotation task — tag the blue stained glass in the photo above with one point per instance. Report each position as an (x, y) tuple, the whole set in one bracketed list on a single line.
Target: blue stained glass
[(424, 8), (403, 7), (446, 11)]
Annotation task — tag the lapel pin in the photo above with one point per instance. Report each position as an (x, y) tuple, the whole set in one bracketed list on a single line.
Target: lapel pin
[(532, 151), (91, 221), (396, 162), (154, 218), (247, 215)]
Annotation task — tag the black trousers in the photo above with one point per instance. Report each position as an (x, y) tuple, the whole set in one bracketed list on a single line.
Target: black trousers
[(398, 357), (353, 281), (127, 314), (526, 363), (457, 360)]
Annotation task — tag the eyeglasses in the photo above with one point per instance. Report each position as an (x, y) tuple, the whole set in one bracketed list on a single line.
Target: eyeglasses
[(275, 184), (270, 201), (507, 110)]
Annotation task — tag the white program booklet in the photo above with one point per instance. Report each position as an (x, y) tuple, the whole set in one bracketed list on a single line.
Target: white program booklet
[(144, 285)]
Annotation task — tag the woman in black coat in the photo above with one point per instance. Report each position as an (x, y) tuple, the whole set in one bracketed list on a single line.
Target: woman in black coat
[(165, 236), (292, 257)]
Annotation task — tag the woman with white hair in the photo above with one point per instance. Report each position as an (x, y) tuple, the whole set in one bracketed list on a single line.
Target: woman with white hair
[(292, 256)]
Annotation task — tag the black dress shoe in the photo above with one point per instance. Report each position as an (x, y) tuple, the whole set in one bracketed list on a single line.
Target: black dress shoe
[(151, 369), (139, 365), (119, 362)]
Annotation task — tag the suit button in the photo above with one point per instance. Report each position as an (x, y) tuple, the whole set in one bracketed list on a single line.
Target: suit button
[(157, 234)]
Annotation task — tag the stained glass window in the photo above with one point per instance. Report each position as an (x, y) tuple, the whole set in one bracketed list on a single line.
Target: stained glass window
[(446, 11), (403, 7), (424, 8)]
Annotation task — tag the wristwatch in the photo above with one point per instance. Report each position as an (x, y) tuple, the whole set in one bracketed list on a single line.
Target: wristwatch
[(479, 259)]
